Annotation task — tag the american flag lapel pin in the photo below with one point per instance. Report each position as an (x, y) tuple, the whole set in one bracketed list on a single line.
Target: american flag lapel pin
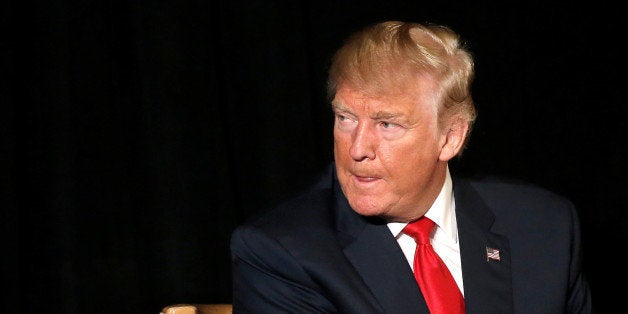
[(492, 254)]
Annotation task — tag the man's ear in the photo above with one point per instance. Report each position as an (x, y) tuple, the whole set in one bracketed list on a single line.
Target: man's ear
[(454, 138)]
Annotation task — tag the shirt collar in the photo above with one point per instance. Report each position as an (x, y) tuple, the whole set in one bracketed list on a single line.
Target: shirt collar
[(442, 212)]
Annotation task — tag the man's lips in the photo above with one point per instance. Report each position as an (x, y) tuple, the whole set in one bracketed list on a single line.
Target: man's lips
[(365, 178)]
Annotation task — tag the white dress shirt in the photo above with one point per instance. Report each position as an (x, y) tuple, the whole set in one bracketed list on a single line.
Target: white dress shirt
[(445, 237)]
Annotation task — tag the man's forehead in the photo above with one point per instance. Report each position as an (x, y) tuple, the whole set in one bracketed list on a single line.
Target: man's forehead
[(377, 111), (396, 105)]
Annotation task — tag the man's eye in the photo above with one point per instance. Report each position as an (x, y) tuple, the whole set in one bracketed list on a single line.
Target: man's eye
[(343, 118), (388, 125)]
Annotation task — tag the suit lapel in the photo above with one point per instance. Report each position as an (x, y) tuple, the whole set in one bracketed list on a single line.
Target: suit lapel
[(375, 254), (487, 281)]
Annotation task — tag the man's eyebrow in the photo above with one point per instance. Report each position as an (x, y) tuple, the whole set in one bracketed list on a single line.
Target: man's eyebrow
[(386, 115), (336, 106)]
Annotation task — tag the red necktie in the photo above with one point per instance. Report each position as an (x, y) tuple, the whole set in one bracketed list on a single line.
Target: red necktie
[(437, 285)]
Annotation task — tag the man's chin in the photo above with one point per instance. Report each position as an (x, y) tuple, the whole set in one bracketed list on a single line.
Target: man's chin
[(366, 208)]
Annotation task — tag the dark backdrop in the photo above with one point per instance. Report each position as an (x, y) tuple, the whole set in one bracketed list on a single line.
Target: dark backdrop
[(140, 133)]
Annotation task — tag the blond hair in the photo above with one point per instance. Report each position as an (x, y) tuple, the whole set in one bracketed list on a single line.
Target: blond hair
[(381, 57)]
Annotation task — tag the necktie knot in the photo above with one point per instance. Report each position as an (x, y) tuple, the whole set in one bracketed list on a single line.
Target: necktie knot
[(420, 230), (437, 285)]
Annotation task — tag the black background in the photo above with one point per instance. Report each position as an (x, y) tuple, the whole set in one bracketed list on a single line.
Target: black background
[(140, 133)]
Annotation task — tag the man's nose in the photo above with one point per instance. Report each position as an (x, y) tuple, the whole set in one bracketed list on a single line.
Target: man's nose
[(363, 143)]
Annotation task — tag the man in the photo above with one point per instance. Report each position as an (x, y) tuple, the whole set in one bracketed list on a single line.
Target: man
[(401, 97)]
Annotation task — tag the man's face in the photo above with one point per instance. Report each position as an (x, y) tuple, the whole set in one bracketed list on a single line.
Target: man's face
[(387, 150)]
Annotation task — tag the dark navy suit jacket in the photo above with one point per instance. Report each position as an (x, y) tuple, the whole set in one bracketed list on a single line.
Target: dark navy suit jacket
[(314, 254)]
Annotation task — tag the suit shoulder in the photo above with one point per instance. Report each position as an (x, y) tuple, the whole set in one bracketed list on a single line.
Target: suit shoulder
[(310, 203), (520, 207), (309, 208), (512, 192)]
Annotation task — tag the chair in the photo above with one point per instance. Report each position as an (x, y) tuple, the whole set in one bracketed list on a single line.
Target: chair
[(218, 308)]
